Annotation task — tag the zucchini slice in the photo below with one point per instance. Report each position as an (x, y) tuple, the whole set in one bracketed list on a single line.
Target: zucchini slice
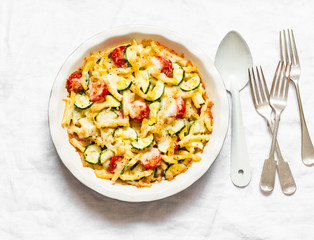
[(152, 177), (198, 100), (191, 84), (156, 93), (125, 133), (112, 101), (178, 73), (125, 168), (127, 53), (173, 170), (123, 83), (106, 155), (92, 153), (82, 101), (164, 145), (106, 114), (154, 108), (176, 127), (144, 80), (196, 127), (143, 143)]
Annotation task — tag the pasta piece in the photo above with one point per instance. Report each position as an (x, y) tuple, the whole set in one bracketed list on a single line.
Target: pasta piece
[(68, 110)]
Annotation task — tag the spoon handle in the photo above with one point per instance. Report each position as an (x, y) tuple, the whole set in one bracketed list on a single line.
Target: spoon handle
[(240, 169)]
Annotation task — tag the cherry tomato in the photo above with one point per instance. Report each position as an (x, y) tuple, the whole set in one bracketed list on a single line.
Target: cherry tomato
[(139, 110), (98, 91), (180, 104), (73, 83), (165, 65), (117, 56), (151, 158), (113, 163)]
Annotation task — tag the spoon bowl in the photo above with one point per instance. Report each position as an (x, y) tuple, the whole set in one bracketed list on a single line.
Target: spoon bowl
[(233, 60)]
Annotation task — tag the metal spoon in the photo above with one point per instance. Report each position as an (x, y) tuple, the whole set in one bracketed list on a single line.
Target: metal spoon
[(233, 58)]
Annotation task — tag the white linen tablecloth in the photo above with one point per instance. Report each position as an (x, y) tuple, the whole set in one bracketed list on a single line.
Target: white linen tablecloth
[(41, 199)]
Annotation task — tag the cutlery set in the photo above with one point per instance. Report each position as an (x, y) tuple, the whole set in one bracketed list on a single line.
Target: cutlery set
[(269, 105)]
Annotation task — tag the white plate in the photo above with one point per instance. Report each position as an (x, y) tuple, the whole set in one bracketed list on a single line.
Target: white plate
[(214, 88)]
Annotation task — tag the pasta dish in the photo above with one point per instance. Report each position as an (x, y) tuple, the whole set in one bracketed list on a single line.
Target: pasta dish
[(137, 113)]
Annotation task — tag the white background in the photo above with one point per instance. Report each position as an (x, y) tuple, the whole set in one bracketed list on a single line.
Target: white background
[(40, 199)]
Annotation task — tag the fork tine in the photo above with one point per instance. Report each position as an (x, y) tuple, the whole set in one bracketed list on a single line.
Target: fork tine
[(286, 46), (283, 81), (265, 85), (255, 89), (252, 90), (262, 91), (280, 46), (295, 48), (287, 78), (275, 80), (290, 48)]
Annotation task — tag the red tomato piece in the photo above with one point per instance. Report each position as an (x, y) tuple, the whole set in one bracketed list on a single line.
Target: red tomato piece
[(73, 83), (117, 56), (113, 163), (165, 65), (180, 105), (139, 110), (151, 158), (98, 91)]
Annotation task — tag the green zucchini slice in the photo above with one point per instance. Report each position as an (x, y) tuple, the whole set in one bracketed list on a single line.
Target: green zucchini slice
[(152, 177), (176, 127), (113, 102), (125, 133), (105, 115), (164, 145), (144, 80), (143, 143), (126, 54), (191, 84), (196, 128), (82, 101), (156, 93), (198, 100), (106, 155), (92, 153), (154, 108), (173, 170), (178, 74), (123, 84)]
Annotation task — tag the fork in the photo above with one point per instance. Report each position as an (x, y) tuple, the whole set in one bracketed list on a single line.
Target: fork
[(292, 57), (278, 101), (260, 97)]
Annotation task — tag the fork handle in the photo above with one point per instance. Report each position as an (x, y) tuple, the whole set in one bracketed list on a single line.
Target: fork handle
[(240, 170), (307, 145), (286, 179)]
